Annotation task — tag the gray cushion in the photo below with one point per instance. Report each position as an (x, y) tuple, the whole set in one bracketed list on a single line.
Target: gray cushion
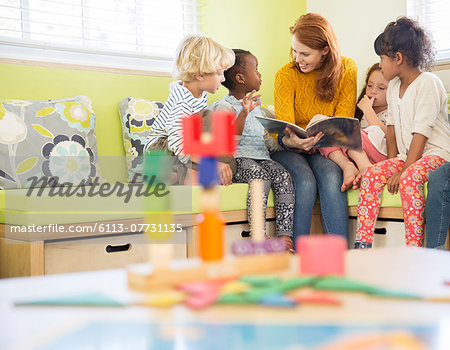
[(52, 139)]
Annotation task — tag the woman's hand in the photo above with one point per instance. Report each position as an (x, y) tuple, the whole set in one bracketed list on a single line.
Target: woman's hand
[(249, 102), (225, 173), (291, 140)]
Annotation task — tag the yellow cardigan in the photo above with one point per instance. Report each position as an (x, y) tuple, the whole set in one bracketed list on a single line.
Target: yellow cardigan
[(296, 100)]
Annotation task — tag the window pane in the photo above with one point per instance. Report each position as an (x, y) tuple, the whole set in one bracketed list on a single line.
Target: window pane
[(10, 22), (433, 15), (143, 29)]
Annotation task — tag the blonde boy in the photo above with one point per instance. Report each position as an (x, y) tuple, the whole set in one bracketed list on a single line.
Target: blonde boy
[(200, 63)]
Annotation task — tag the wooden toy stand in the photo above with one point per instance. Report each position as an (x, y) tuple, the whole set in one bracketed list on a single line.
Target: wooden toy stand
[(231, 267), (165, 275)]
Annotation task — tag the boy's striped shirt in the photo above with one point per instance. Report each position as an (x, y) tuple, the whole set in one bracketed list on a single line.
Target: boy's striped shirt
[(180, 103)]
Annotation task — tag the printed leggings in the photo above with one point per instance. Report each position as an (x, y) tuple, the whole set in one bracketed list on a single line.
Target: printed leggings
[(411, 193), (273, 175)]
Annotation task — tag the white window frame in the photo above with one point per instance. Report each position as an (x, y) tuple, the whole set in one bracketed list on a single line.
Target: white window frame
[(433, 15), (21, 50)]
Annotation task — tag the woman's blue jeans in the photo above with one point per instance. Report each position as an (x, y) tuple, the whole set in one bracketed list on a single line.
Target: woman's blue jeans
[(312, 172), (438, 206)]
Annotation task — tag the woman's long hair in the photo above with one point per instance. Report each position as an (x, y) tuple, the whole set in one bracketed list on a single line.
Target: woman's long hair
[(315, 31)]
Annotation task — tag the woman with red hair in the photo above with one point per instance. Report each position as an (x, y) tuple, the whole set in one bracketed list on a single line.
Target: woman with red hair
[(317, 81)]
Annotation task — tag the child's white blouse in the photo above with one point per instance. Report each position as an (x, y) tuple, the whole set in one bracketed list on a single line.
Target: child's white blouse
[(423, 110)]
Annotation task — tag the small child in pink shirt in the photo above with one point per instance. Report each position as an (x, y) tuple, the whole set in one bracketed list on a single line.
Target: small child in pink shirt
[(371, 110)]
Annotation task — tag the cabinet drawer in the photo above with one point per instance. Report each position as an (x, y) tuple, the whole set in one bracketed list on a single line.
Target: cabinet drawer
[(388, 233), (107, 252)]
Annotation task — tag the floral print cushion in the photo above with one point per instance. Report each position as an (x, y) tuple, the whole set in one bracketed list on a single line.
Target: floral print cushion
[(50, 142), (136, 117)]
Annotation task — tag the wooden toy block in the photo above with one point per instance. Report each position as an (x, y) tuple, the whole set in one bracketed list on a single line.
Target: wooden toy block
[(210, 236), (258, 219), (232, 267), (249, 247), (322, 255), (157, 167), (220, 142)]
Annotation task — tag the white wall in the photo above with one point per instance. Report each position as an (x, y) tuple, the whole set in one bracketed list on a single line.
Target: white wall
[(357, 23), (444, 75)]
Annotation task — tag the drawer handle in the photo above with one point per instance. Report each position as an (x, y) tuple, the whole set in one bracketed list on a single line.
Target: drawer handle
[(118, 248), (245, 234), (380, 231)]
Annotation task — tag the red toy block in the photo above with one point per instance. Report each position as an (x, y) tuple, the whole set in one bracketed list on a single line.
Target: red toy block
[(221, 141), (322, 255)]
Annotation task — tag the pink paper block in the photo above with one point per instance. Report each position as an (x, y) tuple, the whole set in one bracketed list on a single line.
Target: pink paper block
[(322, 255)]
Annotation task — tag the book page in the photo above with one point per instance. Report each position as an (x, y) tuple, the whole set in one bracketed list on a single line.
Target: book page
[(338, 132), (275, 126), (316, 119)]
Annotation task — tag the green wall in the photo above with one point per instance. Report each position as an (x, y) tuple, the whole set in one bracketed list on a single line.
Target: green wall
[(104, 89), (261, 27)]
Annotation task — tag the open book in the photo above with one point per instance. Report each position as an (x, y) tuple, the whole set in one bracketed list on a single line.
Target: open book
[(338, 131)]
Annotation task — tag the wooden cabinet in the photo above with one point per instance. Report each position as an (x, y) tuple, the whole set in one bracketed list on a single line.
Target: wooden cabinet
[(31, 256)]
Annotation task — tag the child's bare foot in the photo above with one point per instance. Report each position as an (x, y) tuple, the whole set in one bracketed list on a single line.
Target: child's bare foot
[(350, 174), (288, 241), (357, 181)]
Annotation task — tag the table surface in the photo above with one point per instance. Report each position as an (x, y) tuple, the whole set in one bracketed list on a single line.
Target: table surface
[(414, 270)]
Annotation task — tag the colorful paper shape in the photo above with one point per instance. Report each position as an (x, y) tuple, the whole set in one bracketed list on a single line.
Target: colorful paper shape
[(277, 299), (88, 299)]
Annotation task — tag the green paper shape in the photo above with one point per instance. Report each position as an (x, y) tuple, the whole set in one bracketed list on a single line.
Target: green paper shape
[(90, 299), (232, 298), (394, 294), (260, 280), (256, 294), (343, 284), (296, 282)]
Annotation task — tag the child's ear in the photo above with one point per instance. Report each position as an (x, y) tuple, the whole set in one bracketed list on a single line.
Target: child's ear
[(240, 78), (399, 58), (325, 50), (199, 76)]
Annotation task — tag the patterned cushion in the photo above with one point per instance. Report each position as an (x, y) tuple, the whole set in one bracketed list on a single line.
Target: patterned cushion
[(52, 139), (136, 117)]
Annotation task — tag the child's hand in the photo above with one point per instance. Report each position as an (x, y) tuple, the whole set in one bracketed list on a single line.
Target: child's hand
[(191, 178), (366, 103), (249, 102), (394, 182), (225, 173)]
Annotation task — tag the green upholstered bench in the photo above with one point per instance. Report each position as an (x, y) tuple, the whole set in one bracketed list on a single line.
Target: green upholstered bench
[(110, 222)]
